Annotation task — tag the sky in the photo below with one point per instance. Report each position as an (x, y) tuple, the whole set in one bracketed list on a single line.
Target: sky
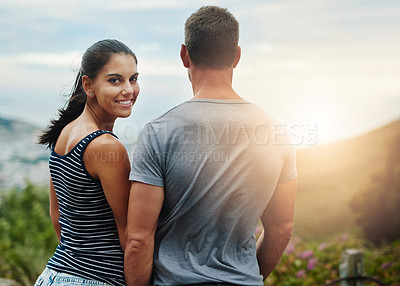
[(329, 70)]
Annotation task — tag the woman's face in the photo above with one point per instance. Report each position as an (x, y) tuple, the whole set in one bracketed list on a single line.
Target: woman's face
[(115, 86)]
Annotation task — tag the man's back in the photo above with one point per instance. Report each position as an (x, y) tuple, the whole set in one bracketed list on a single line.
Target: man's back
[(219, 162), (205, 172)]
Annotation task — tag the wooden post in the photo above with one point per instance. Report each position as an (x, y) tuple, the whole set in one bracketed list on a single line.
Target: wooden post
[(352, 265)]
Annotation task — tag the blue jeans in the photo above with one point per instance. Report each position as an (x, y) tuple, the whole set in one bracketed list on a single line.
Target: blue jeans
[(54, 278)]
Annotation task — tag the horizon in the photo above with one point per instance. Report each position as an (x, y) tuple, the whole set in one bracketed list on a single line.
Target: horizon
[(129, 134)]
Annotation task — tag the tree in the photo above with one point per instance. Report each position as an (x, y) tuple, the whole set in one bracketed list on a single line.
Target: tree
[(378, 206)]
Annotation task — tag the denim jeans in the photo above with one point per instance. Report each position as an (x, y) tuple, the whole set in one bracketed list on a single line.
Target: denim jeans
[(54, 278)]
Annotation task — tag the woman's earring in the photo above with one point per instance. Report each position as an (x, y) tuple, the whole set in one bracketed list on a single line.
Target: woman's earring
[(91, 94)]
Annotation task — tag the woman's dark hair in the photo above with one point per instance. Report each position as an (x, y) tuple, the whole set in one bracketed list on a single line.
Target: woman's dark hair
[(93, 60)]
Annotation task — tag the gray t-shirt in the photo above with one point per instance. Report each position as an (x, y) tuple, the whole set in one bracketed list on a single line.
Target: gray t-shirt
[(219, 162)]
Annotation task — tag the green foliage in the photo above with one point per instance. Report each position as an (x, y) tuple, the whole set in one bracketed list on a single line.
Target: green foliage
[(27, 241), (310, 263), (378, 206), (27, 237)]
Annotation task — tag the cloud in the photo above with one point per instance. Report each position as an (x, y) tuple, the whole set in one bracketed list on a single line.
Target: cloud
[(63, 60), (158, 67), (22, 63), (264, 48), (143, 5)]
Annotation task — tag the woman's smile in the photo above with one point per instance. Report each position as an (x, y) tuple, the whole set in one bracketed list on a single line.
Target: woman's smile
[(125, 102)]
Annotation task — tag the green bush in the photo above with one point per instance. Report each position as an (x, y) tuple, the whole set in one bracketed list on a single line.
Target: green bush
[(27, 237)]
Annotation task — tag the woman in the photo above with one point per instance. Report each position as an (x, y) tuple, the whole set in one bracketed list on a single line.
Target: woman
[(89, 169)]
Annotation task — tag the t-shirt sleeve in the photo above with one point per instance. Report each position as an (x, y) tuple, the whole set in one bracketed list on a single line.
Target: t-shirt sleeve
[(289, 170), (146, 161)]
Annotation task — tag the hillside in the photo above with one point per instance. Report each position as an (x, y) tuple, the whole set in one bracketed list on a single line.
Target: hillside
[(331, 175), (20, 156)]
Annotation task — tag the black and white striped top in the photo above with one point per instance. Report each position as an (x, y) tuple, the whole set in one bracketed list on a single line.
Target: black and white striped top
[(89, 246)]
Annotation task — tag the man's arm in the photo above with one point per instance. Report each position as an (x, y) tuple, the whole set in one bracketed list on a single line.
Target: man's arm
[(277, 221), (145, 204)]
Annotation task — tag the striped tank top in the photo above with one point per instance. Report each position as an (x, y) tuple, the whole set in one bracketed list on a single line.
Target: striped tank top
[(89, 245)]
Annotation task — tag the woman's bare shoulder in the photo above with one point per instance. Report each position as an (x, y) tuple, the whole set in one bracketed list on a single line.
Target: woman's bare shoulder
[(106, 143)]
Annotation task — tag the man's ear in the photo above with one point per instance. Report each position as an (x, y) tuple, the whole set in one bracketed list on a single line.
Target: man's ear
[(237, 57), (87, 85), (185, 56)]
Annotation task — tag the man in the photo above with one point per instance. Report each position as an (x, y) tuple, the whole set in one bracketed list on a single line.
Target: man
[(205, 172)]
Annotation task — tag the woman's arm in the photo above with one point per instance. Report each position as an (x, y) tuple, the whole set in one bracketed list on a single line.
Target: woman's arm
[(107, 160), (54, 211)]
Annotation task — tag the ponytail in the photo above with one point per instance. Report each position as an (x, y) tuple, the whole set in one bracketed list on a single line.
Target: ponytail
[(75, 106)]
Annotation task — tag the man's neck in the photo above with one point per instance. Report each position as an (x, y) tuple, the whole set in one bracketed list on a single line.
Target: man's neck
[(214, 84)]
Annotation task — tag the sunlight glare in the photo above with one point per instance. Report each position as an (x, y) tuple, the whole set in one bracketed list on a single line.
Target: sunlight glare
[(321, 117)]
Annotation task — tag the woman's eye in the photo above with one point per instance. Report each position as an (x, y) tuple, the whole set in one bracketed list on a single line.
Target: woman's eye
[(134, 79), (114, 80)]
